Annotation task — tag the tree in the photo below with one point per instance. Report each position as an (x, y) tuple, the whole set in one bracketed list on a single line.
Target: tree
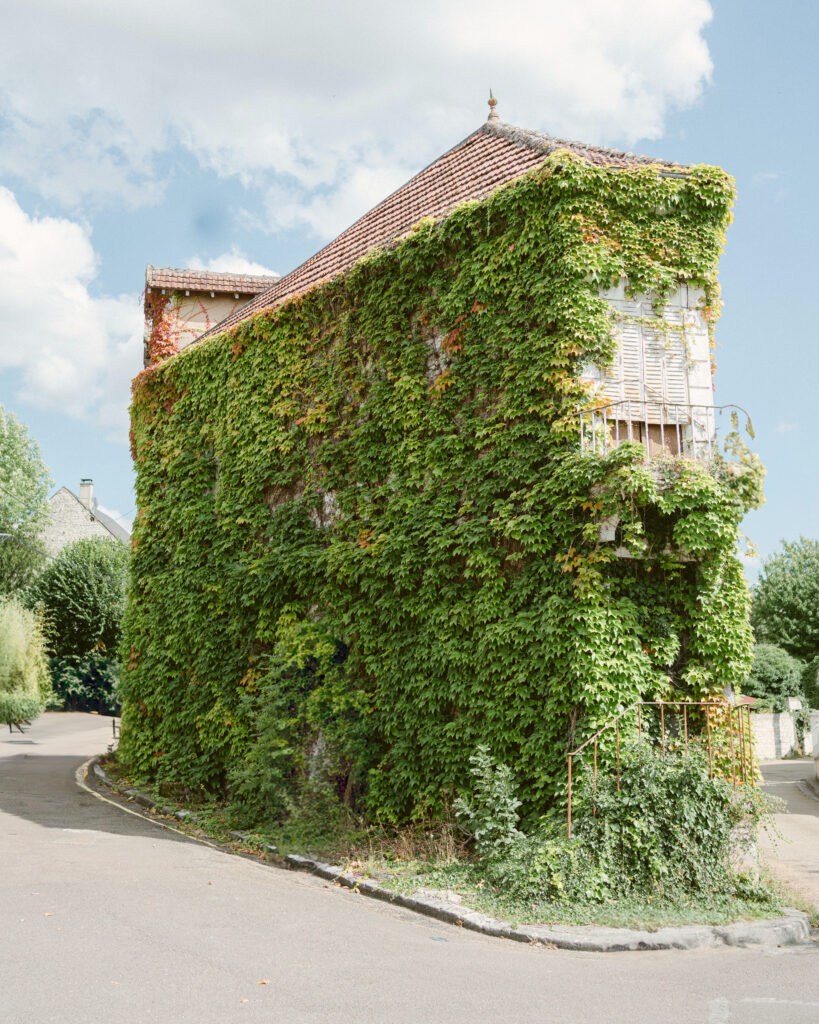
[(24, 484), (810, 682), (82, 592), (785, 608), (774, 676), (24, 682), (82, 596)]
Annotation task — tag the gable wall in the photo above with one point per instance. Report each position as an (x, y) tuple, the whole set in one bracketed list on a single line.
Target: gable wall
[(196, 313), (69, 521)]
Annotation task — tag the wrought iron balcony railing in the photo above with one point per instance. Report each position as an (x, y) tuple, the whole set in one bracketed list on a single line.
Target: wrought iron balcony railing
[(664, 428)]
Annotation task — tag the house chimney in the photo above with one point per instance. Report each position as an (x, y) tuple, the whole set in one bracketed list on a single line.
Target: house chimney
[(86, 492)]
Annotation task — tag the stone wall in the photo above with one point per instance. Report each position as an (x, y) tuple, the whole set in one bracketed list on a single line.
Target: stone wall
[(775, 734)]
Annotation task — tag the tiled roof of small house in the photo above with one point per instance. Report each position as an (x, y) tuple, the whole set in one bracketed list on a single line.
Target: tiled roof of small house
[(490, 157), (174, 279)]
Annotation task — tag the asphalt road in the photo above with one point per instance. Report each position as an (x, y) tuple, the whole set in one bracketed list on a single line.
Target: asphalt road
[(105, 918)]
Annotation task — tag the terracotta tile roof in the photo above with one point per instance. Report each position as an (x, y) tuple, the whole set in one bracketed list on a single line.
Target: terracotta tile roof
[(491, 156), (206, 281)]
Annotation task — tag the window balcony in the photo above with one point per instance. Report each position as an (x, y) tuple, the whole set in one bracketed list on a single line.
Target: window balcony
[(665, 429)]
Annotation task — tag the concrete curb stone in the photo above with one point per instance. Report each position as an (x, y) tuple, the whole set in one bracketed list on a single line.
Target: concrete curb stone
[(792, 928), (810, 787), (141, 798)]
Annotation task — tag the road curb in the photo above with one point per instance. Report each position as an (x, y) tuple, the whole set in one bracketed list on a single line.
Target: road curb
[(810, 787), (792, 928)]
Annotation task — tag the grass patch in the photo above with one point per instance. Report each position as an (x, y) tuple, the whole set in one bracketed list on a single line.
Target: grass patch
[(435, 856), (467, 880)]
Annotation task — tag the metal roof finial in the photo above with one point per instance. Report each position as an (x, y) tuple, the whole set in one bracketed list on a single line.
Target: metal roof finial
[(492, 104)]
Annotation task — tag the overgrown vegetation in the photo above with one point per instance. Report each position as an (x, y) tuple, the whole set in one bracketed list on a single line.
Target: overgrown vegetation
[(669, 847), (24, 682), (367, 541), (663, 829)]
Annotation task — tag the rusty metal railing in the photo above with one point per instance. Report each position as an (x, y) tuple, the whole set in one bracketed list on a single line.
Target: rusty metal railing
[(664, 428), (740, 738)]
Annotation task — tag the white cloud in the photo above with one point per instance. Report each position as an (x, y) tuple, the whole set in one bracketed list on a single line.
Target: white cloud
[(338, 98), (233, 262), (326, 213), (786, 428), (70, 350), (767, 179), (127, 524)]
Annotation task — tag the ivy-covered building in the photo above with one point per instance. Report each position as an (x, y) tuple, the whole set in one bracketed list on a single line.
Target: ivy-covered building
[(181, 304), (454, 480)]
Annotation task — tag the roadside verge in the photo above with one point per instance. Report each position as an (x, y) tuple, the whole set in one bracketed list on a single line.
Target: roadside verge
[(791, 928)]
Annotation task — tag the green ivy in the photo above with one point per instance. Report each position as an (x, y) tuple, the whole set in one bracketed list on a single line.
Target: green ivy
[(391, 462)]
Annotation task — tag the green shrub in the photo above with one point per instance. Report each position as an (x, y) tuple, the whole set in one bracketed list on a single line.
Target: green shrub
[(669, 827), (82, 595), (17, 708), (774, 677), (24, 682), (86, 683), (490, 817), (667, 830), (82, 592)]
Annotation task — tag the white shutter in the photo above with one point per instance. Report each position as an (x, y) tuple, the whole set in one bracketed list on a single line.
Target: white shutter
[(665, 362), (666, 367), (630, 351), (622, 379), (649, 364)]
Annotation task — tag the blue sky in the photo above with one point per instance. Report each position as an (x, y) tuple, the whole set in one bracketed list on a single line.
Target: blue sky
[(249, 134)]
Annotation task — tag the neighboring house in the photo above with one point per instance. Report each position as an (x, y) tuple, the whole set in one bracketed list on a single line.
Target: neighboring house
[(194, 300), (73, 518)]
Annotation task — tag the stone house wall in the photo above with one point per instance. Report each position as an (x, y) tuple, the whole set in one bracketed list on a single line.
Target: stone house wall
[(69, 520)]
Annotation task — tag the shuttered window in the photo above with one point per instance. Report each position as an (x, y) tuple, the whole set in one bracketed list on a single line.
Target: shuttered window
[(650, 365)]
